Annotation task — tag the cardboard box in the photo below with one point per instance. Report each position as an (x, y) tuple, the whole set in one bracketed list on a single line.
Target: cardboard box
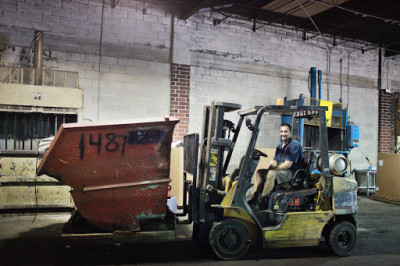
[(176, 171), (388, 179), (176, 174), (263, 164)]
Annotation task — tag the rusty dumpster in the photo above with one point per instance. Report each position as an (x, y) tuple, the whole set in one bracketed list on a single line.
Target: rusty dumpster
[(118, 171)]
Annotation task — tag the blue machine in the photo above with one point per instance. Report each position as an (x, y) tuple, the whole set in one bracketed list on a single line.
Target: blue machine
[(352, 136), (342, 134)]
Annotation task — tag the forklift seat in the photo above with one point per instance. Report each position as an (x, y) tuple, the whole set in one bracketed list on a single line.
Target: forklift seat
[(302, 175)]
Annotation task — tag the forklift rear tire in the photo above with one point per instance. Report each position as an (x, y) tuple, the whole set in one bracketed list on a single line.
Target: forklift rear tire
[(342, 238), (229, 239)]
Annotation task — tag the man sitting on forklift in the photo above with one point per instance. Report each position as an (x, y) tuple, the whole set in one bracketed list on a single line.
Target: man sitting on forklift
[(288, 158)]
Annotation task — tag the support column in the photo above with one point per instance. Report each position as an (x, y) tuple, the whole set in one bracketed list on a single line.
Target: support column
[(387, 134), (179, 102)]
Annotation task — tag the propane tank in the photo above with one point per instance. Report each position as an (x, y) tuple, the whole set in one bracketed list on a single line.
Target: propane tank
[(337, 163)]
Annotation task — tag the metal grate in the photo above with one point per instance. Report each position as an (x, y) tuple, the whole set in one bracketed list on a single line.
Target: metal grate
[(43, 77), (190, 153), (21, 131)]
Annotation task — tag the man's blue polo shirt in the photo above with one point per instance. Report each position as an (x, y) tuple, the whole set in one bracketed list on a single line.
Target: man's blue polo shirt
[(291, 152)]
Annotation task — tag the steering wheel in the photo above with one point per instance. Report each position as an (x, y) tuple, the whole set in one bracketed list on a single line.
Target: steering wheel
[(259, 153)]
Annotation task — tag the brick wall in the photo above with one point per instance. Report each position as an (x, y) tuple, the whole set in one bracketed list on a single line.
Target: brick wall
[(179, 102), (386, 135), (231, 63)]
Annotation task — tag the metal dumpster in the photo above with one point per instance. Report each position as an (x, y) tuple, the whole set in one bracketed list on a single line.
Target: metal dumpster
[(118, 171)]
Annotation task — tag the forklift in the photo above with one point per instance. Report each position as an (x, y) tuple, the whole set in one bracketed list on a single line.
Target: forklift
[(317, 204), (120, 183)]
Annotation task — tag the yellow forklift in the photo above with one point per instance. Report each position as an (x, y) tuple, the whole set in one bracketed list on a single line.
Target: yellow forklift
[(118, 172), (312, 207)]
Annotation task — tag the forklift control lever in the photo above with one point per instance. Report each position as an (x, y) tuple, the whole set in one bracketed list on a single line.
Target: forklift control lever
[(212, 190), (249, 125), (229, 125)]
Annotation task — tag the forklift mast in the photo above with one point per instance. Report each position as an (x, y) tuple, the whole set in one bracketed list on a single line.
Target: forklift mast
[(212, 166), (214, 143), (208, 170)]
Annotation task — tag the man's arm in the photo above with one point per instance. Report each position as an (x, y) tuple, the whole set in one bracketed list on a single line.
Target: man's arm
[(293, 153), (273, 164), (285, 165)]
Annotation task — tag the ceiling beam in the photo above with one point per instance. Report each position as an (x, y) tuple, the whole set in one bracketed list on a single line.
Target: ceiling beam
[(114, 3), (190, 8)]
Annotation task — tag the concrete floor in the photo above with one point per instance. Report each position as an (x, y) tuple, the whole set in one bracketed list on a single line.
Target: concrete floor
[(25, 240)]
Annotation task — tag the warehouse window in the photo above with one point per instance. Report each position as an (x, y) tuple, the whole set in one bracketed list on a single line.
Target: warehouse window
[(21, 131)]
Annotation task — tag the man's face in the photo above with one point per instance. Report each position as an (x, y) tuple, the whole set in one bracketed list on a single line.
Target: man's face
[(285, 133)]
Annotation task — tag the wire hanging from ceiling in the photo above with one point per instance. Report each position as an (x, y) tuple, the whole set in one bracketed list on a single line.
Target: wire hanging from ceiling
[(100, 55), (356, 12)]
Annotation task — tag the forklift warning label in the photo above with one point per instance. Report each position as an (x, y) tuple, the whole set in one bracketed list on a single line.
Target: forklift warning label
[(214, 157), (213, 173)]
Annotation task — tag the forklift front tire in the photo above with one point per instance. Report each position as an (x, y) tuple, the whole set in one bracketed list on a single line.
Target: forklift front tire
[(342, 238), (229, 239)]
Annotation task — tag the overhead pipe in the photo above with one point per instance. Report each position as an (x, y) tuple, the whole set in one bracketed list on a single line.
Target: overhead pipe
[(313, 88), (328, 48), (380, 70), (388, 85), (329, 51), (348, 74), (341, 84), (38, 57), (172, 43), (319, 83), (315, 80), (348, 79), (100, 56)]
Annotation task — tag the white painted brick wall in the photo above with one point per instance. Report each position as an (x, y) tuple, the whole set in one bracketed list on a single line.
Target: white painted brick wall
[(134, 79), (228, 62), (259, 67)]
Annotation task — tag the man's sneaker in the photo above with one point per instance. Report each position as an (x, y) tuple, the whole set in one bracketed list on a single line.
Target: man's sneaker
[(263, 203), (255, 201)]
